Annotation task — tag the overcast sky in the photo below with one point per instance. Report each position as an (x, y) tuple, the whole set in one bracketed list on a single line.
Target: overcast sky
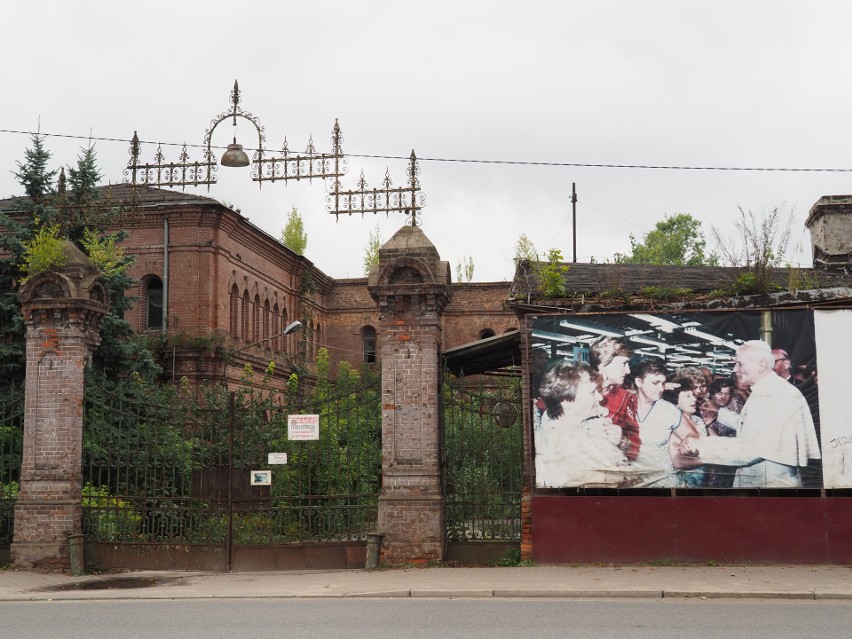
[(738, 83)]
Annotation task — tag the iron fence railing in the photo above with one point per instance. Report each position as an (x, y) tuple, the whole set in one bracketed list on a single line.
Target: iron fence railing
[(169, 469), (483, 457), (11, 449)]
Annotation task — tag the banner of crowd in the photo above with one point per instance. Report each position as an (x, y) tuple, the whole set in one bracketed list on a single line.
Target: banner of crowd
[(704, 400)]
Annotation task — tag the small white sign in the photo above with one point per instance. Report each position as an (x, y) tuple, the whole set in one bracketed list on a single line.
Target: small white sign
[(277, 458), (302, 427), (261, 478)]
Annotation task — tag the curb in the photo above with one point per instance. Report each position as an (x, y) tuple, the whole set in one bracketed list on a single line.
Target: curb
[(503, 593), (580, 594)]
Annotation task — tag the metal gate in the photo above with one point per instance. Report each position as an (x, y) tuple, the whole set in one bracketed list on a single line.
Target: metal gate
[(483, 466), (11, 450), (177, 480)]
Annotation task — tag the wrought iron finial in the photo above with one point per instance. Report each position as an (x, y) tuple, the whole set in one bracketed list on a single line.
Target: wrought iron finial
[(235, 101), (283, 166)]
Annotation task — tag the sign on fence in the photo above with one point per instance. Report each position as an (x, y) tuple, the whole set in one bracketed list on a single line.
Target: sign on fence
[(302, 427)]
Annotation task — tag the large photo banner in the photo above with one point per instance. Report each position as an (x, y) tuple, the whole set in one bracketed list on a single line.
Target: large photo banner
[(709, 400)]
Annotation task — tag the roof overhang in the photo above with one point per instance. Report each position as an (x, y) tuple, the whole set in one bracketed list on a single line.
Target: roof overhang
[(498, 355)]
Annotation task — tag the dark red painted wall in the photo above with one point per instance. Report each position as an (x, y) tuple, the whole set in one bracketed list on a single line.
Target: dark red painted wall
[(723, 529)]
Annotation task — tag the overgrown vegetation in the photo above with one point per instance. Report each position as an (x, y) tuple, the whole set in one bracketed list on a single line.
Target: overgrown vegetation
[(159, 461), (34, 228), (371, 250), (665, 293), (43, 253), (549, 273), (464, 269), (759, 245), (294, 236), (552, 275)]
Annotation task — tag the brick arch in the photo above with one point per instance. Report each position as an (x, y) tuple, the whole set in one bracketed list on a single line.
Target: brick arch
[(406, 270), (49, 284)]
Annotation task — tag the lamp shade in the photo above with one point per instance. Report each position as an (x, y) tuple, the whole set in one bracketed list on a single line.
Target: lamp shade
[(235, 156)]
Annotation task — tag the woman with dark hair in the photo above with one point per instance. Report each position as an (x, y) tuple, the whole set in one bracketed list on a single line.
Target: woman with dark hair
[(574, 444), (681, 391), (718, 418), (720, 421)]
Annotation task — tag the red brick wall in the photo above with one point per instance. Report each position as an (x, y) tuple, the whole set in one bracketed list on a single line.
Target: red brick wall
[(211, 248), (474, 308), (61, 333)]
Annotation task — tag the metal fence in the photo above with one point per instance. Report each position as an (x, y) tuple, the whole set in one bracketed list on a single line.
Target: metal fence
[(483, 459), (11, 449), (177, 469)]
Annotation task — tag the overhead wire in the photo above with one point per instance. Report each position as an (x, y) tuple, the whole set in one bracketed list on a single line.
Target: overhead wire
[(91, 138), (658, 167)]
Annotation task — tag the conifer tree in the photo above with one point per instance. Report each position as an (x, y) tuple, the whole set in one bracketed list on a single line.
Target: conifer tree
[(75, 212), (19, 223)]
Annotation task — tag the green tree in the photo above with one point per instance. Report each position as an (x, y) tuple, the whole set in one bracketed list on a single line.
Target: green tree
[(294, 236), (676, 240), (371, 251), (464, 269), (551, 280), (74, 213), (19, 225), (525, 250)]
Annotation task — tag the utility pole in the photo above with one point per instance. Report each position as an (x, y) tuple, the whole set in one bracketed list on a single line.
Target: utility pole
[(574, 217)]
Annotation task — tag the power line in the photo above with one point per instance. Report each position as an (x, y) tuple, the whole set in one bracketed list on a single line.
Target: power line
[(584, 165)]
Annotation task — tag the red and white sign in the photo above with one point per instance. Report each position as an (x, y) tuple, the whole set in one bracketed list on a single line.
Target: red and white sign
[(302, 427)]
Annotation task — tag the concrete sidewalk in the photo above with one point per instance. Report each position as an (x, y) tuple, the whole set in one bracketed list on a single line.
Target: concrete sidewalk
[(584, 581)]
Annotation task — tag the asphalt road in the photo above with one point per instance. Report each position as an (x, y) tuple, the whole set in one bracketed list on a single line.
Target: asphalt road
[(416, 619)]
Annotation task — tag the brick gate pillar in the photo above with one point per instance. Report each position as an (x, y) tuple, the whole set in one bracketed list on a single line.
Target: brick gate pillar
[(62, 310), (411, 286)]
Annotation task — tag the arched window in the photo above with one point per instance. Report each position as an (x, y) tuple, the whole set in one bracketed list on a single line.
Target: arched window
[(255, 320), (276, 329), (368, 344), (285, 341), (154, 303), (245, 317), (266, 318), (486, 332), (235, 311)]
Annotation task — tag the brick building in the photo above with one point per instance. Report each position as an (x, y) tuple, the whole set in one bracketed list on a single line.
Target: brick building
[(208, 277)]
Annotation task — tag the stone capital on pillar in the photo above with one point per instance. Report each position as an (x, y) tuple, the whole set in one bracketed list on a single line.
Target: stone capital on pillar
[(63, 310), (411, 286)]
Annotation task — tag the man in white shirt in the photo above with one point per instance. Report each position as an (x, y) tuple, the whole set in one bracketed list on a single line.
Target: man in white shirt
[(662, 427), (776, 435)]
